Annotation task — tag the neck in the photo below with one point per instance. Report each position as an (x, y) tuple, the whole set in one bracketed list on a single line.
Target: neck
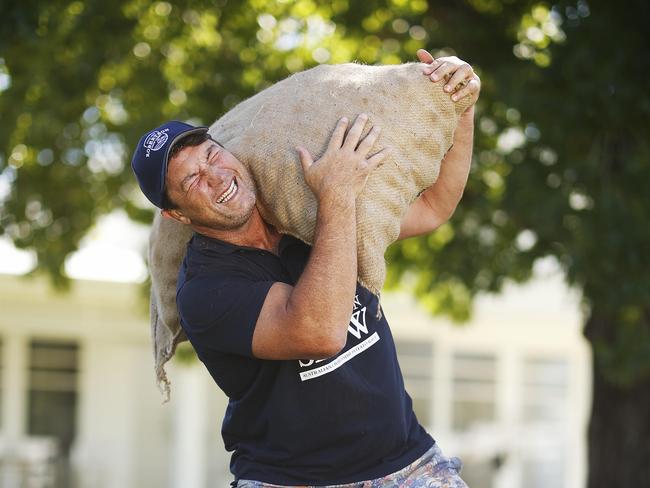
[(254, 233)]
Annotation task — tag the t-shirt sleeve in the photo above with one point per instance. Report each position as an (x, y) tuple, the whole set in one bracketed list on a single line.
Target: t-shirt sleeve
[(220, 314)]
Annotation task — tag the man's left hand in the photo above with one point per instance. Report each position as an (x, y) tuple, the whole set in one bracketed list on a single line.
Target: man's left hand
[(461, 81)]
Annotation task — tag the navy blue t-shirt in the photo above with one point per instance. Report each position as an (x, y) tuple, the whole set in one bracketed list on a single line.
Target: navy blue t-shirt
[(339, 420)]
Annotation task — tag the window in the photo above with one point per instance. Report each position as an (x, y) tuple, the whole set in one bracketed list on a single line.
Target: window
[(544, 416), (544, 390), (2, 363), (474, 389), (416, 363), (539, 472), (53, 391)]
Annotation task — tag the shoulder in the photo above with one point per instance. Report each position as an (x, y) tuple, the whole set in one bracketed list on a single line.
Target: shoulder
[(211, 288), (219, 312), (212, 260)]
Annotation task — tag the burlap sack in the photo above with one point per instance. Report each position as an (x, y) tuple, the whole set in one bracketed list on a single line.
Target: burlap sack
[(417, 119)]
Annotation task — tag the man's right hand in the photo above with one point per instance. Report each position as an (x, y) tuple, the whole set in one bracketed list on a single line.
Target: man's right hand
[(342, 171), (310, 320)]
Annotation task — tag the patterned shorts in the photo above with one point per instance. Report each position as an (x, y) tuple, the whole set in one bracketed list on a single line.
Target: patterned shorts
[(432, 470)]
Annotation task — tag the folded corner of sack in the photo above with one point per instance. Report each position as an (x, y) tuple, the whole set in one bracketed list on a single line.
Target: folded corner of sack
[(165, 341)]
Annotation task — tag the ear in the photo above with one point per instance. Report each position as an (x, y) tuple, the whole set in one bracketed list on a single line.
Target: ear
[(177, 215)]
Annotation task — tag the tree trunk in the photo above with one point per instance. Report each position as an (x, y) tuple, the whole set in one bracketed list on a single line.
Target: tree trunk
[(619, 429)]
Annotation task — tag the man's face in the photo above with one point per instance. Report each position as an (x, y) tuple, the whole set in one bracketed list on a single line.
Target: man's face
[(210, 187)]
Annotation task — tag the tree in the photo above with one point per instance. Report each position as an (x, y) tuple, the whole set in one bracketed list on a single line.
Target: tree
[(575, 89), (561, 145)]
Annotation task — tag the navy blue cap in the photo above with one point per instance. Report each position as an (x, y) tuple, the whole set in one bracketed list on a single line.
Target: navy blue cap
[(151, 156)]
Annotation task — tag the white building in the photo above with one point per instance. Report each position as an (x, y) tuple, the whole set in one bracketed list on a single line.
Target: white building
[(508, 392)]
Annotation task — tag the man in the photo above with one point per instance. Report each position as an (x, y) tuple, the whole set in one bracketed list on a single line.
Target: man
[(316, 394)]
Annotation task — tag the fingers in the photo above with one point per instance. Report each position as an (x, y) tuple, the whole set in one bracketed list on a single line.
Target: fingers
[(472, 88), (352, 138), (378, 158), (433, 65), (424, 56), (305, 158), (366, 144), (441, 70), (461, 81), (464, 72), (336, 141)]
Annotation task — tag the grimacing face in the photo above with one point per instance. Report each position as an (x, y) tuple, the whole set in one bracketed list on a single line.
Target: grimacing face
[(211, 187)]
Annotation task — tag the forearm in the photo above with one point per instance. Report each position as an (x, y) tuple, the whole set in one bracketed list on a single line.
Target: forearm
[(321, 301)]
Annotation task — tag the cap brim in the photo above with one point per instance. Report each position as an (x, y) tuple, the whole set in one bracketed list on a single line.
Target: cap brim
[(178, 137)]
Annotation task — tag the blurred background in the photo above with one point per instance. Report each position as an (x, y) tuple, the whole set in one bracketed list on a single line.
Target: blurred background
[(522, 325)]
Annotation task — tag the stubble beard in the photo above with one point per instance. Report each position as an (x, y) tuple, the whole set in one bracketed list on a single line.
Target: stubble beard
[(231, 222)]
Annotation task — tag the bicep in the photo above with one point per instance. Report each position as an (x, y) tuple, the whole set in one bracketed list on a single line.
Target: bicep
[(249, 318), (220, 314), (278, 334)]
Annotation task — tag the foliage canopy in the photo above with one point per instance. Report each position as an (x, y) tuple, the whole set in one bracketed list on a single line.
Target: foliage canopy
[(561, 147)]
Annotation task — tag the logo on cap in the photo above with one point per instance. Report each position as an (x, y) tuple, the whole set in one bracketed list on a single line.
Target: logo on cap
[(155, 140)]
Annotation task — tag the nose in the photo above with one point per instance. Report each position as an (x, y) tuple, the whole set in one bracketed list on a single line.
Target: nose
[(214, 175)]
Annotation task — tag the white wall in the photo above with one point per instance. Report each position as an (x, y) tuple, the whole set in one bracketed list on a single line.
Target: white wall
[(127, 439)]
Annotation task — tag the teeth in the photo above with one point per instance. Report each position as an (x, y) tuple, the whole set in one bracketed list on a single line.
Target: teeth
[(228, 194)]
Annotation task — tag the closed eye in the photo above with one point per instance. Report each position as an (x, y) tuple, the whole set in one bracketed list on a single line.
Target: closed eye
[(191, 179), (214, 151), (188, 181), (194, 182)]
